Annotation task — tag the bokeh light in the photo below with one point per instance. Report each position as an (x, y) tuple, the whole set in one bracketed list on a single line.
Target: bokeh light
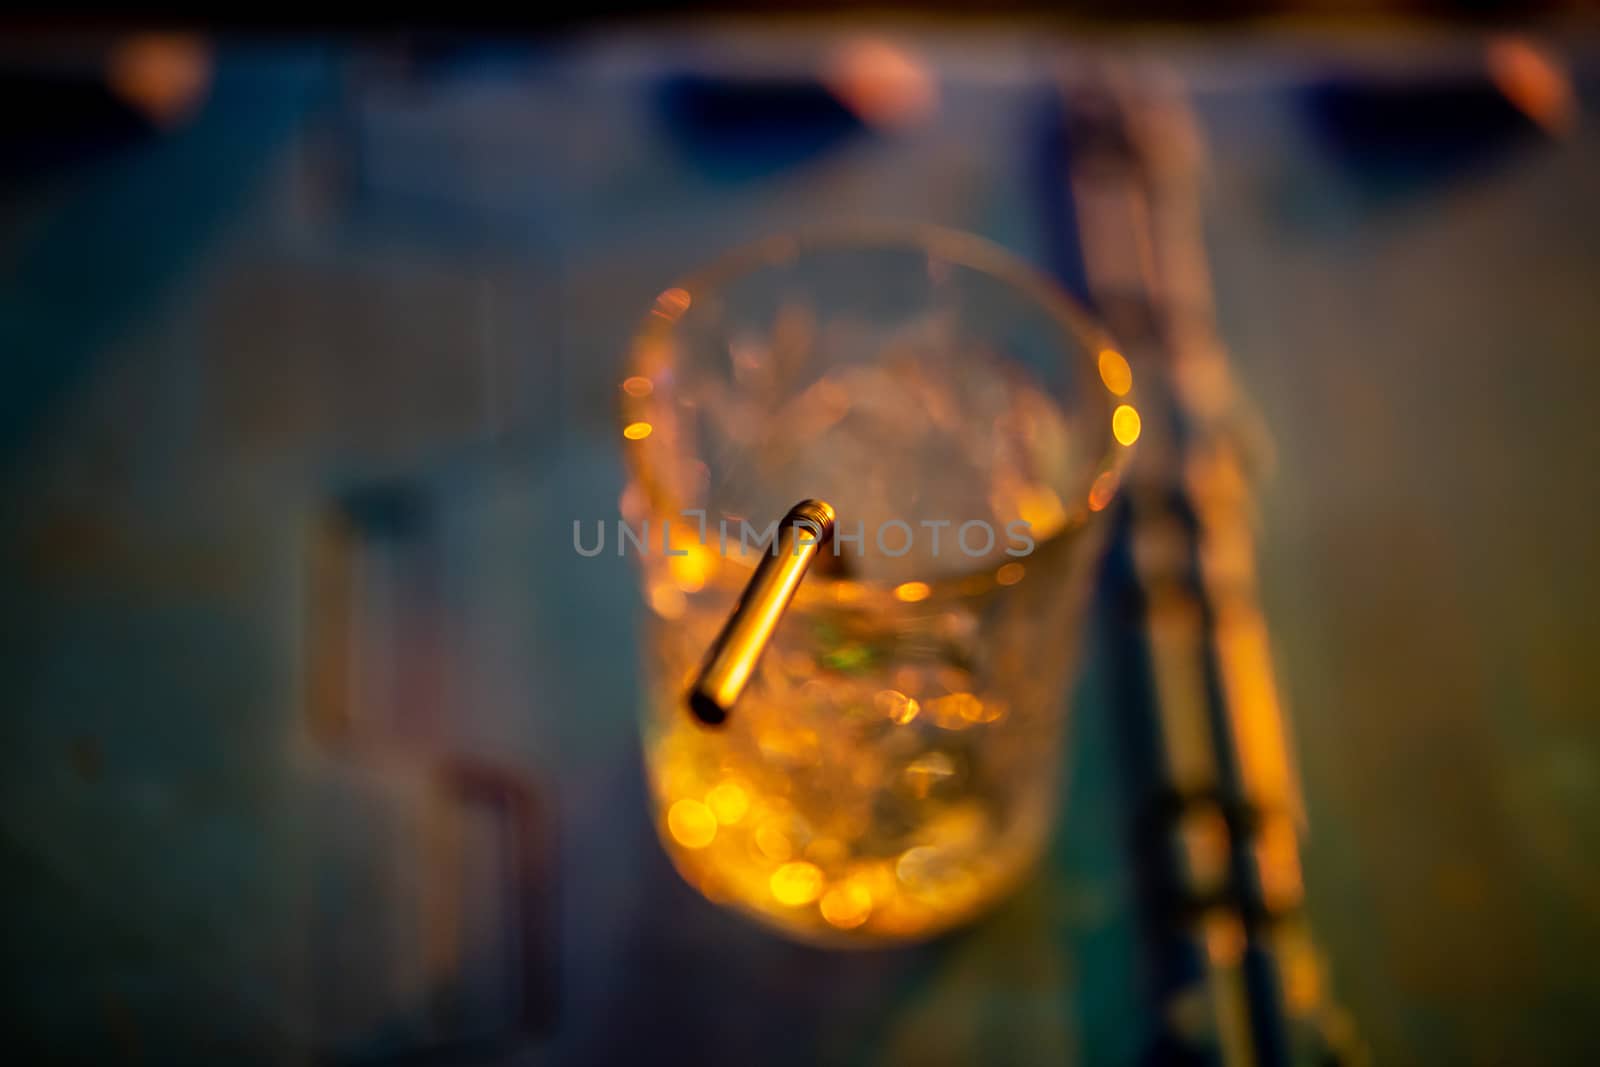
[(691, 823), (1125, 424), (1115, 372), (796, 883)]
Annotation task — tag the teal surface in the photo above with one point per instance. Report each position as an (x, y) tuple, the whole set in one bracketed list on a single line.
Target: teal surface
[(351, 273)]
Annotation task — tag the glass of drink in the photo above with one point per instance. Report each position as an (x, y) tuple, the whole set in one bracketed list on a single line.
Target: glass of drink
[(891, 768)]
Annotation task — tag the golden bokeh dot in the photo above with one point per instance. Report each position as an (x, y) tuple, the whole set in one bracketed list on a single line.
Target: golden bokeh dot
[(796, 883), (1010, 574), (728, 803), (668, 601), (1114, 371), (691, 569), (968, 707), (637, 386), (956, 711), (846, 906), (896, 706), (637, 431), (1103, 489), (879, 880), (911, 592), (691, 823), (773, 842), (1125, 424), (1040, 507)]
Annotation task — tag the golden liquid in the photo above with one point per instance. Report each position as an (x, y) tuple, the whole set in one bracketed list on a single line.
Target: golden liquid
[(890, 771)]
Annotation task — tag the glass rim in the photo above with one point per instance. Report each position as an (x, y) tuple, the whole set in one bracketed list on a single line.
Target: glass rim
[(647, 359)]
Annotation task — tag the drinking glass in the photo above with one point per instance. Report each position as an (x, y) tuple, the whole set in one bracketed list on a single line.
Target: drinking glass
[(891, 769)]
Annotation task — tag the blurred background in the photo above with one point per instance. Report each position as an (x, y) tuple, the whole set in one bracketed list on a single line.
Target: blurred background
[(319, 747)]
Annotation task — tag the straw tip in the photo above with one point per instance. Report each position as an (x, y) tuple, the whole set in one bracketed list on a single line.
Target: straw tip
[(706, 709), (818, 513)]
